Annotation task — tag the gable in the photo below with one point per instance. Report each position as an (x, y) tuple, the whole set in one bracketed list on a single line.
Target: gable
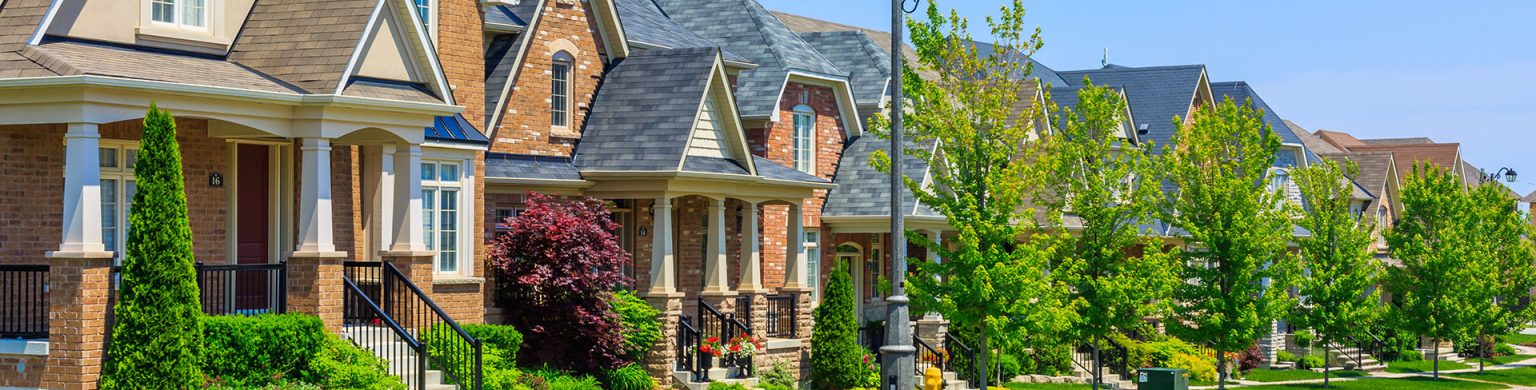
[(396, 44), (708, 139), (387, 54)]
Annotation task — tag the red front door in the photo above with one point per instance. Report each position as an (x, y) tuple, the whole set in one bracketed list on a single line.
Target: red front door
[(252, 217)]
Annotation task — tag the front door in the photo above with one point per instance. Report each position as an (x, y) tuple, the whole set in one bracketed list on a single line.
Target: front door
[(853, 263), (252, 218)]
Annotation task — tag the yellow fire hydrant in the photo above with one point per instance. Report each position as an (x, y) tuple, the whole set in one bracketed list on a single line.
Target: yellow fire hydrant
[(933, 379)]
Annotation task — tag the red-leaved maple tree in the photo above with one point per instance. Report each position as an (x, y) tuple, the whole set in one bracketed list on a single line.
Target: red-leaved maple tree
[(559, 264)]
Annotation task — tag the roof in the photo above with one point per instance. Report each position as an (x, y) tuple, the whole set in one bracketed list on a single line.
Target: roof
[(712, 165), (18, 20), (863, 190), (1037, 69), (746, 28), (1338, 139), (501, 56), (1531, 197), (646, 26), (1398, 141), (868, 64), (1155, 94), (772, 170), (1240, 92), (1405, 156), (388, 89), (519, 166), (306, 43), (644, 113), (516, 15), (67, 57), (803, 24), (1374, 169), (455, 129), (1313, 142)]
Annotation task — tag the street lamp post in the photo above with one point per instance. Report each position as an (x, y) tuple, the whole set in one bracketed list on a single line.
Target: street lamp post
[(897, 365), (1507, 174)]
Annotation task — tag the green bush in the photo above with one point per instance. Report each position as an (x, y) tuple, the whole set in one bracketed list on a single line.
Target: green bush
[(551, 379), (1304, 339), (641, 328), (779, 375), (505, 338), (1312, 361), (1410, 356), (342, 365), (1008, 366), (157, 341), (725, 386), (1199, 368), (1162, 352), (1138, 354), (1504, 349), (280, 385), (498, 351), (630, 377), (836, 358), (261, 350), (1286, 356)]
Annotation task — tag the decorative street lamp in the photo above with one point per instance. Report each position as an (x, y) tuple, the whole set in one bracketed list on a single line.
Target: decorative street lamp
[(1508, 174), (897, 357)]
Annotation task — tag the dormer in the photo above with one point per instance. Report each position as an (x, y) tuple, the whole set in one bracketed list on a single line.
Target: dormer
[(204, 26)]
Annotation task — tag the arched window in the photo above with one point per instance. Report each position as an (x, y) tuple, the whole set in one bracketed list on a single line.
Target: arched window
[(805, 139), (560, 90)]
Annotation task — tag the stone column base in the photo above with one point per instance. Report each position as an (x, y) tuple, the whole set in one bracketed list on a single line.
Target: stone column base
[(78, 285), (931, 329), (315, 286), (662, 360), (804, 322)]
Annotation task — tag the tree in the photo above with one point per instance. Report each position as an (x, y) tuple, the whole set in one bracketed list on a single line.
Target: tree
[(1087, 176), (157, 341), (559, 264), (993, 278), (1434, 292), (837, 361), (1337, 288), (1503, 259), (1236, 229)]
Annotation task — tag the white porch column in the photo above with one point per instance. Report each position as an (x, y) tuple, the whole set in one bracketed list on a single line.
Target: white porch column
[(82, 192), (751, 253), (937, 237), (315, 227), (795, 268), (407, 201), (663, 263), (715, 260)]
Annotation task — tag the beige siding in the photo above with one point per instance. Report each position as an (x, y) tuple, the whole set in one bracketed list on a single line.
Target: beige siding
[(388, 55), (708, 140)]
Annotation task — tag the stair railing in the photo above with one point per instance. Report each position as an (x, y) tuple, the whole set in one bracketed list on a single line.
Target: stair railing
[(449, 347), (971, 367), (724, 327), (1117, 358), (689, 359), (375, 330), (928, 356), (1083, 357)]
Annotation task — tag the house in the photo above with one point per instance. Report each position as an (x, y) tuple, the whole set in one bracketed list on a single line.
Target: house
[(314, 134)]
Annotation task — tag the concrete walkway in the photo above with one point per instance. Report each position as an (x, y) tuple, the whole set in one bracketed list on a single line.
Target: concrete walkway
[(1519, 349)]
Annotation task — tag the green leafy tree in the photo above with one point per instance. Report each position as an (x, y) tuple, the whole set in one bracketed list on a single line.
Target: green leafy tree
[(1236, 228), (158, 339), (1435, 291), (977, 113), (1503, 258), (837, 360), (1087, 174), (1337, 288)]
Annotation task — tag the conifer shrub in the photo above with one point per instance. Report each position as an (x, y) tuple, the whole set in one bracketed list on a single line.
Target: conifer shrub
[(836, 358), (157, 341), (641, 328)]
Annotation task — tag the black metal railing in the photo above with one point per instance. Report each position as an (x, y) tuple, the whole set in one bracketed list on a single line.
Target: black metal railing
[(1083, 358), (928, 357), (448, 347), (1364, 346), (1115, 358), (368, 325), (872, 337), (23, 301), (783, 316), (744, 309), (723, 328), (970, 366), (232, 289), (689, 358)]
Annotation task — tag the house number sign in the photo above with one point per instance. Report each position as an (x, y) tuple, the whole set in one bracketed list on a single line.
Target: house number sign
[(215, 180)]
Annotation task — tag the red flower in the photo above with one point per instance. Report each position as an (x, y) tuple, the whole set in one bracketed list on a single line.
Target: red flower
[(736, 348)]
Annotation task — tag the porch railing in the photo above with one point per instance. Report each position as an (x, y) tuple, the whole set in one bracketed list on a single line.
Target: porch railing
[(448, 347), (233, 289), (722, 328), (23, 301), (689, 359), (783, 316), (969, 366), (928, 356)]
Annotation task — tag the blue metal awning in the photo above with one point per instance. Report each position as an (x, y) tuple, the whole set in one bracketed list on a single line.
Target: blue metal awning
[(455, 129)]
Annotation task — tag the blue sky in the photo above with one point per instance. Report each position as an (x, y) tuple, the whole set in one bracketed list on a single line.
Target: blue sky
[(1452, 71)]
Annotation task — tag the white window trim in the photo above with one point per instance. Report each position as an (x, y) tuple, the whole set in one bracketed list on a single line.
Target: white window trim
[(123, 175), (431, 18), (813, 262), (210, 36), (794, 139), (570, 79), (465, 226)]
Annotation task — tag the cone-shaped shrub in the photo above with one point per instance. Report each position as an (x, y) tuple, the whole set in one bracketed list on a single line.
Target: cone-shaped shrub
[(837, 360), (158, 339)]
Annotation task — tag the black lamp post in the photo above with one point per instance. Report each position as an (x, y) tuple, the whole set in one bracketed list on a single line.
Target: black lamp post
[(1508, 174)]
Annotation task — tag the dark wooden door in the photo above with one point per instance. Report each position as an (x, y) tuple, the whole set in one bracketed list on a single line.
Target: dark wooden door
[(253, 181)]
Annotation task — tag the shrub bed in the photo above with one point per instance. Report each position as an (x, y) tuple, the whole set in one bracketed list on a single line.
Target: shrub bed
[(286, 351)]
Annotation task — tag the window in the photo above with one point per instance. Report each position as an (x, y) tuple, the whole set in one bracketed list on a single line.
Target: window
[(441, 187), (813, 264), (424, 11), (117, 189), (560, 90), (190, 14), (805, 139)]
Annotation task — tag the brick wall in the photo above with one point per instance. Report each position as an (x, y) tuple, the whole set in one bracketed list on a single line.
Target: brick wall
[(525, 124), (346, 200), (32, 199), (201, 155), (775, 143), (24, 371), (460, 51)]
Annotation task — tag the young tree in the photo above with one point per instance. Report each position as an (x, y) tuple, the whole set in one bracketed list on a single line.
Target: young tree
[(1088, 177), (158, 339), (1434, 292), (559, 264), (993, 278), (836, 358), (1337, 288), (1234, 257), (1503, 258)]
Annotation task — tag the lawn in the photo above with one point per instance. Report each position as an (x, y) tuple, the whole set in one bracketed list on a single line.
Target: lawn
[(1521, 339), (1045, 386), (1262, 375), (1396, 384), (1424, 366), (1517, 376), (1496, 360)]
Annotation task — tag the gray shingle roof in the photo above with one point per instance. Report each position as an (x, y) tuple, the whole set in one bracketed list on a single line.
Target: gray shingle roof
[(863, 190), (389, 89), (501, 56), (1240, 92), (77, 57), (712, 165), (643, 114), (1037, 70), (519, 166), (18, 19), (744, 27), (504, 15), (868, 64), (1156, 94), (646, 25), (772, 170)]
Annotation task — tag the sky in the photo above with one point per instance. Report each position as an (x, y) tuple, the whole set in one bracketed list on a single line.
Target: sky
[(1460, 72)]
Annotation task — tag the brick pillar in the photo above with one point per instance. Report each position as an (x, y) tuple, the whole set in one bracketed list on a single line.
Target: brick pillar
[(315, 286), (662, 360), (77, 324), (416, 266)]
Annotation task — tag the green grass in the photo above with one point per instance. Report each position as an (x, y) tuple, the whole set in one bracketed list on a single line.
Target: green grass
[(1423, 366), (1414, 383), (1045, 386), (1506, 359), (1196, 382), (1264, 375), (1517, 376), (1521, 339)]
